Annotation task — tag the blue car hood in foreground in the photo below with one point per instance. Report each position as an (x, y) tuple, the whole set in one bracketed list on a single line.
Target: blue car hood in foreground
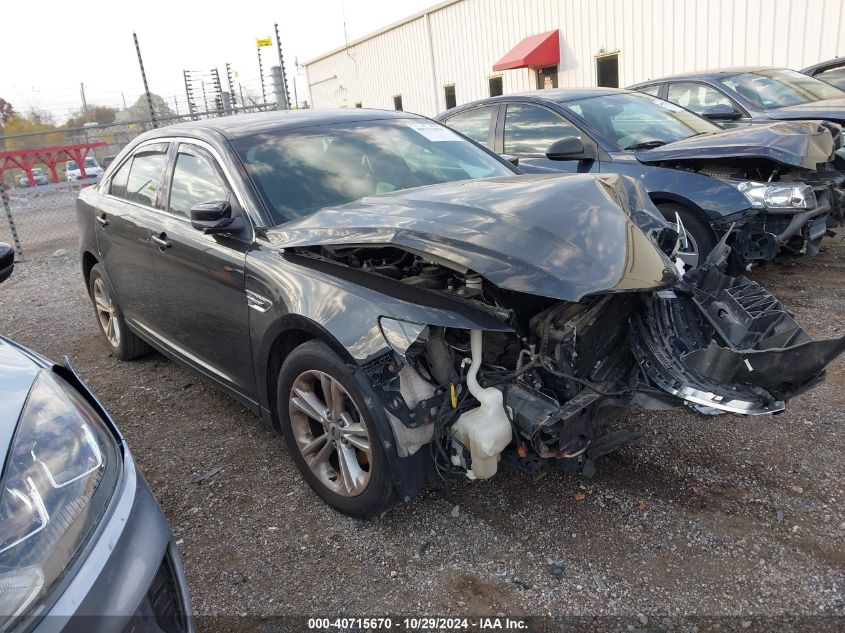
[(793, 143), (562, 237)]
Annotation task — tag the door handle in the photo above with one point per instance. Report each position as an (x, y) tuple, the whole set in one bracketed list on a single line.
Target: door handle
[(102, 219), (161, 240)]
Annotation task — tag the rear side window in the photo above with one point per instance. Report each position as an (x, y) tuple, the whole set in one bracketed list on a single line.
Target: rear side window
[(530, 130), (835, 76), (195, 180), (697, 97), (653, 90), (473, 123), (119, 180), (145, 173)]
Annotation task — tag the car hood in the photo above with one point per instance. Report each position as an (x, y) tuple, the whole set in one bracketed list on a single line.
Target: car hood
[(561, 237), (792, 143), (18, 371), (827, 109)]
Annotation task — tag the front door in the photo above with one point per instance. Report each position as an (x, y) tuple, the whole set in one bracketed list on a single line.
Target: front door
[(203, 314), (528, 132), (704, 99)]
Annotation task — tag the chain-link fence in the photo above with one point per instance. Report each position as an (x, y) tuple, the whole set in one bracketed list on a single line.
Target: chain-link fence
[(38, 215)]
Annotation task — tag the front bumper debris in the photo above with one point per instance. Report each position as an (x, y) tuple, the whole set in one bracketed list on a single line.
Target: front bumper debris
[(768, 235), (724, 344)]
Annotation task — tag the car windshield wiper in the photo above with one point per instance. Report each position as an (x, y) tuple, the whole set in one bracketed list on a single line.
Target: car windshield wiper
[(646, 144)]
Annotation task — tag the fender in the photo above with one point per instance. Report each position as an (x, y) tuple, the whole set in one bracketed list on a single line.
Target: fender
[(711, 198)]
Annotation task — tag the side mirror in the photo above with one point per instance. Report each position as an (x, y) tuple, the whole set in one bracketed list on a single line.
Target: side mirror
[(212, 217), (567, 148), (721, 112), (513, 160), (7, 261)]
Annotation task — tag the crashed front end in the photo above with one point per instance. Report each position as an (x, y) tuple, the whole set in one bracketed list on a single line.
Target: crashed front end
[(788, 172), (579, 337), (711, 343), (768, 232)]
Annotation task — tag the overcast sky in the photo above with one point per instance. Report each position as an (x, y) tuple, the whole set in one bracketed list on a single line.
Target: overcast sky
[(45, 58)]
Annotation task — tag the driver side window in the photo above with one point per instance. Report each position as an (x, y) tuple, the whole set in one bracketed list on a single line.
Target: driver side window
[(530, 130), (195, 180), (697, 97)]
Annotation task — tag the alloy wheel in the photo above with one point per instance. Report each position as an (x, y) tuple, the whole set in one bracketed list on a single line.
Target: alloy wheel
[(689, 253), (106, 313), (330, 433)]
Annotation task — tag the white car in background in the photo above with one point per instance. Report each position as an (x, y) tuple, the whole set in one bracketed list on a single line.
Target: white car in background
[(92, 169), (39, 177)]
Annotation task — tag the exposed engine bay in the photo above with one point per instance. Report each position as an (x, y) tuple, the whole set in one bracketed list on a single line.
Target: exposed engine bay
[(546, 391)]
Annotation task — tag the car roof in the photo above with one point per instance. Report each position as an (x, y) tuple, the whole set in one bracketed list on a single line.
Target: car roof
[(239, 125), (554, 95), (713, 73), (828, 64)]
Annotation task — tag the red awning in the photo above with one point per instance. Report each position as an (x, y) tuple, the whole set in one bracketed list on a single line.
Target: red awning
[(535, 51)]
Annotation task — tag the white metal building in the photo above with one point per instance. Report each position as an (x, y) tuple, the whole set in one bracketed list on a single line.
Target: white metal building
[(445, 55)]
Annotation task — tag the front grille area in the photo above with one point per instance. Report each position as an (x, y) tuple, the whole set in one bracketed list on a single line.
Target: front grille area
[(161, 610)]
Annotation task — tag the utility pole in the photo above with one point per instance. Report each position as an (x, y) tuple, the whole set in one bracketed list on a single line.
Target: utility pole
[(218, 92), (231, 91), (144, 77), (204, 99), (261, 76), (295, 75), (285, 103), (189, 94), (84, 102)]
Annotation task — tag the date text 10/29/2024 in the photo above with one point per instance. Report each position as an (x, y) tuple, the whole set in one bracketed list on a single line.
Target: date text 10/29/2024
[(418, 624)]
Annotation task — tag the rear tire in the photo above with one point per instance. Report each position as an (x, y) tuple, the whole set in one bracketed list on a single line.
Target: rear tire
[(331, 434), (702, 239), (124, 344)]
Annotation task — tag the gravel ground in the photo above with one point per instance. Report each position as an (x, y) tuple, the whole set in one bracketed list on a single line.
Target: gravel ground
[(723, 516)]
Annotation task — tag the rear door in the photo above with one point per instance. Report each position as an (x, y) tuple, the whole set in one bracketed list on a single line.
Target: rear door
[(202, 308), (126, 218), (476, 123)]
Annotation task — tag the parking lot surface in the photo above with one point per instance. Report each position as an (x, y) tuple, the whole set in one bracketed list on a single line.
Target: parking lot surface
[(711, 516)]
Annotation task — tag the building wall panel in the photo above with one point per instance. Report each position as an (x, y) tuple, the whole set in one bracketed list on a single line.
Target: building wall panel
[(458, 43)]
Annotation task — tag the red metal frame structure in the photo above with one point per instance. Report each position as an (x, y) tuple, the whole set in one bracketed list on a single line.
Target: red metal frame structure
[(26, 159)]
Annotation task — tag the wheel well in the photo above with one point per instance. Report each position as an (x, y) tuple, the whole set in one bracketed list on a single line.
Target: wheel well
[(695, 210), (88, 262), (284, 344)]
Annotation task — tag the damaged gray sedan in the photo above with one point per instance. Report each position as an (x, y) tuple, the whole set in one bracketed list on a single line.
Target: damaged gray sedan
[(401, 303)]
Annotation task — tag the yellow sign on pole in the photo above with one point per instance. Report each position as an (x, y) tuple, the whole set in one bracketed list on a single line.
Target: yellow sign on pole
[(263, 41)]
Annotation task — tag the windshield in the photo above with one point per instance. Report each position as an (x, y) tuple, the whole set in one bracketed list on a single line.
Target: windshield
[(301, 171), (72, 165), (770, 89), (638, 121), (90, 162)]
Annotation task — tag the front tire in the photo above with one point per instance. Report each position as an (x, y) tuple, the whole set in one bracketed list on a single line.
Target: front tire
[(701, 238), (124, 344), (331, 434)]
